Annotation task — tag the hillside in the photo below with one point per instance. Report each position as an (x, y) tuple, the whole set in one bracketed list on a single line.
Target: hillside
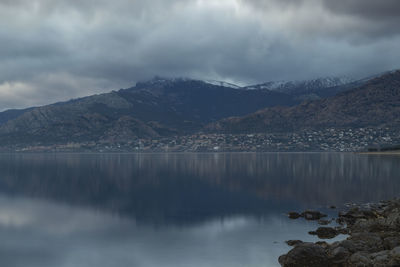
[(160, 107), (375, 104), (11, 114)]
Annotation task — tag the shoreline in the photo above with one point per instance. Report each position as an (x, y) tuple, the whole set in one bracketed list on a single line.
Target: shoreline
[(373, 239)]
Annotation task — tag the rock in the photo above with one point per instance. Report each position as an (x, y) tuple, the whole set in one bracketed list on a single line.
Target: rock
[(360, 259), (374, 238), (322, 244), (340, 221), (394, 257), (324, 222), (380, 256), (294, 215), (305, 254), (332, 207), (349, 245), (339, 255), (313, 215), (391, 242), (343, 231), (365, 241), (293, 242), (395, 253), (325, 232)]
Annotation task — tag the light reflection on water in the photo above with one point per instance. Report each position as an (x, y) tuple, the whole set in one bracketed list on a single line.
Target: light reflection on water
[(174, 209)]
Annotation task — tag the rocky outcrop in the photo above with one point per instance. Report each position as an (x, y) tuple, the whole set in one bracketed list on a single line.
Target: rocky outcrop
[(310, 215), (374, 240)]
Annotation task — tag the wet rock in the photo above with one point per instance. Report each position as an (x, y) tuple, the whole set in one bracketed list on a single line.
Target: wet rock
[(313, 215), (294, 215), (325, 232), (306, 254), (293, 243)]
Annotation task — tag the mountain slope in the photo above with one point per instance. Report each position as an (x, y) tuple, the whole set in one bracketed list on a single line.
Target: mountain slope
[(308, 89), (11, 114), (376, 103), (156, 108)]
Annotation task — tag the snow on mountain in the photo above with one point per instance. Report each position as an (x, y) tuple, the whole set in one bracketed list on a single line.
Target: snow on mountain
[(306, 85), (162, 81), (224, 84)]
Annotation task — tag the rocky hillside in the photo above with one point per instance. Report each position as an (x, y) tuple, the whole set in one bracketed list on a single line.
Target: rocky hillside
[(156, 108), (375, 103), (11, 114)]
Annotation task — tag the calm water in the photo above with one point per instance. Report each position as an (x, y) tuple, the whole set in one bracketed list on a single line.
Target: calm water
[(173, 209)]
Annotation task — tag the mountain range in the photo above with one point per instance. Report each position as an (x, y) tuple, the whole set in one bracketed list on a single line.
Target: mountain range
[(376, 103), (165, 107), (159, 107)]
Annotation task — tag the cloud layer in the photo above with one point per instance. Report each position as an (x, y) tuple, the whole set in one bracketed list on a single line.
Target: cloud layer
[(56, 50)]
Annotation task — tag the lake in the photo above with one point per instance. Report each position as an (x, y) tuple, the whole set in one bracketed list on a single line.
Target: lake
[(72, 210)]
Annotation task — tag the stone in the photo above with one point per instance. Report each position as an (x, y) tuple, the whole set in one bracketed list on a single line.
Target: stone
[(360, 259), (325, 232), (324, 222), (381, 256), (343, 231), (365, 241), (294, 215), (305, 254), (293, 242), (395, 253), (373, 238), (391, 242), (313, 215), (339, 255)]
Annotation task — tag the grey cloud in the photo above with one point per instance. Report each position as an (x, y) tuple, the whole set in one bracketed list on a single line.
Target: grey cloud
[(368, 9), (355, 20), (56, 50)]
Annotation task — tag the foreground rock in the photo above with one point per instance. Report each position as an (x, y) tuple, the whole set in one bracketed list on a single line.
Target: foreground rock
[(374, 240), (310, 215), (325, 232)]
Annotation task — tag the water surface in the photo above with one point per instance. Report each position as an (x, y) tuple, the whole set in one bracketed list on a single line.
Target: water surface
[(174, 209)]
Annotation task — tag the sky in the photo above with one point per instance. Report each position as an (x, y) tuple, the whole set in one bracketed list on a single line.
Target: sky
[(52, 50)]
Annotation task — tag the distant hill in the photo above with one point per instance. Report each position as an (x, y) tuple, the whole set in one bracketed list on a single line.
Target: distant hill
[(159, 107), (374, 103)]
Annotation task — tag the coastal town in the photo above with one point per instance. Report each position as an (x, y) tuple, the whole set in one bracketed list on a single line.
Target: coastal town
[(325, 140)]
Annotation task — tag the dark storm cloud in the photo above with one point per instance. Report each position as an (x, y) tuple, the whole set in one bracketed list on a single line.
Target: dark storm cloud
[(380, 17), (368, 9), (55, 50)]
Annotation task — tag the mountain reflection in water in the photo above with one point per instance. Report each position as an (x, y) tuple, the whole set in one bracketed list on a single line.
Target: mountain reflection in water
[(173, 209)]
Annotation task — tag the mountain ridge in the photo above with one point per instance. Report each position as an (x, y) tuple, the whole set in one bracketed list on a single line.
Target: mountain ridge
[(152, 109), (376, 103)]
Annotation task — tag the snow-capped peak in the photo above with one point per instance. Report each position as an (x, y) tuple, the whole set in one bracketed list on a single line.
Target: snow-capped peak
[(287, 86), (224, 84)]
